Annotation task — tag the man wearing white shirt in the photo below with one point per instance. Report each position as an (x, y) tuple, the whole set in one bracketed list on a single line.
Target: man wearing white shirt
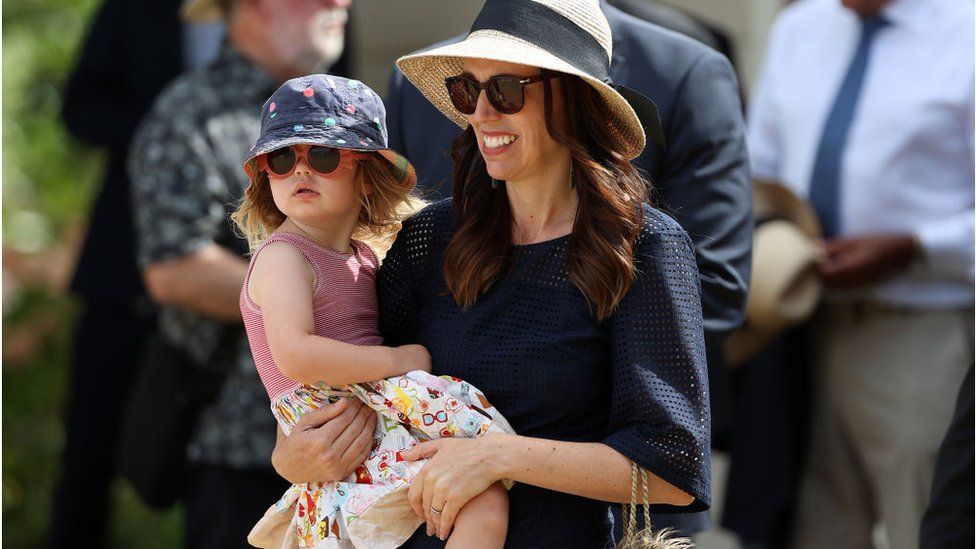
[(866, 108)]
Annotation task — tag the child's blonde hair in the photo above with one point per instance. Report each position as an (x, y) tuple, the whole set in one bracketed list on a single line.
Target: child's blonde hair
[(384, 207)]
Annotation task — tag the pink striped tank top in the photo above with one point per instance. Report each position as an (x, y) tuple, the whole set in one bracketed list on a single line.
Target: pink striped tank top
[(343, 304)]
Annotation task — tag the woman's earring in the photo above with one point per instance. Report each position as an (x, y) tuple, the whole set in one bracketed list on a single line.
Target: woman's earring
[(572, 182), (494, 183)]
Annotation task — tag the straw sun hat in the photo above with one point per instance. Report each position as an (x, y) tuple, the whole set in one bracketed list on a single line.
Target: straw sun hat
[(568, 36), (785, 286)]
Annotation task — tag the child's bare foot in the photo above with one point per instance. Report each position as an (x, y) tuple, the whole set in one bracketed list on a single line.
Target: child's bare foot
[(483, 521)]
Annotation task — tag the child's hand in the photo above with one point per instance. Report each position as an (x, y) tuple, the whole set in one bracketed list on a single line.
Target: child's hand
[(413, 357)]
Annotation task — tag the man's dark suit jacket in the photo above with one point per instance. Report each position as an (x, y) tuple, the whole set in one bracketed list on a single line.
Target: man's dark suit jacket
[(701, 179), (948, 521), (124, 64), (670, 17), (132, 50)]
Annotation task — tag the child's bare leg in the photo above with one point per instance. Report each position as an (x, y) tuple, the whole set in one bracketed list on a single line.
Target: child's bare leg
[(483, 521)]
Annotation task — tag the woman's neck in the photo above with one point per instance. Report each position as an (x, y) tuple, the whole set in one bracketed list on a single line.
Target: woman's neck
[(334, 237), (543, 207)]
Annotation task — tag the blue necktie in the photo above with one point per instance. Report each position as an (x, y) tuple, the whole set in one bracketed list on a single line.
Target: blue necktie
[(825, 179)]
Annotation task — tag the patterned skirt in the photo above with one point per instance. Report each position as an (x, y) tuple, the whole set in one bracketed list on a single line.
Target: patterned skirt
[(370, 508)]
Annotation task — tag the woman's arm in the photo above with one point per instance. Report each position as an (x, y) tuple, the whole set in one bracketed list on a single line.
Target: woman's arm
[(282, 283), (588, 469), (460, 469)]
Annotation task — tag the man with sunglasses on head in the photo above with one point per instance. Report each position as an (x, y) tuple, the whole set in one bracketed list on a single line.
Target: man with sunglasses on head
[(185, 170)]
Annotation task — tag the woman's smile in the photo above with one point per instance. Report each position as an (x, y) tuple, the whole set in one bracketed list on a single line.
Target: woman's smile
[(497, 142), (516, 147)]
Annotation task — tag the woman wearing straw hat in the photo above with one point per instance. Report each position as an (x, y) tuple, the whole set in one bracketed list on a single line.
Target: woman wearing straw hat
[(549, 283)]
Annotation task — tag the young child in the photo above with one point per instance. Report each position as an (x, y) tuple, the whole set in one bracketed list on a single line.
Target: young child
[(320, 174)]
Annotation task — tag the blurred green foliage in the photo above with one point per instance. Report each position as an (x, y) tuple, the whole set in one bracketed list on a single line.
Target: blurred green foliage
[(48, 183), (47, 177)]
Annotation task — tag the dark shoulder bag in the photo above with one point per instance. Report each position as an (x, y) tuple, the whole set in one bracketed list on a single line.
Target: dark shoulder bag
[(169, 393)]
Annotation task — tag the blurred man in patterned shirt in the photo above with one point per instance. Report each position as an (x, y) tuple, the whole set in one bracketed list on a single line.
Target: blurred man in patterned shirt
[(185, 166)]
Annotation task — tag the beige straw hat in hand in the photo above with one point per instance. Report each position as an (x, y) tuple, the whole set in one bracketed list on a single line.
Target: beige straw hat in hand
[(785, 286)]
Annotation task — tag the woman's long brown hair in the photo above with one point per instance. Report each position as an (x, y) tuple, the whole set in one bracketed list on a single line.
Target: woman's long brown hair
[(600, 256)]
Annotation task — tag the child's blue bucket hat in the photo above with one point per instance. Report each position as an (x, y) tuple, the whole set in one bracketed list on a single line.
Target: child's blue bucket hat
[(320, 109)]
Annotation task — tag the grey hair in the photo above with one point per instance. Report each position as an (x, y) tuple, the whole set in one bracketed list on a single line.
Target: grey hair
[(227, 7)]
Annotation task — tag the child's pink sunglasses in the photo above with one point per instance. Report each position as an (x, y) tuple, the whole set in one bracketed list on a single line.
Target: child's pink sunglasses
[(280, 163)]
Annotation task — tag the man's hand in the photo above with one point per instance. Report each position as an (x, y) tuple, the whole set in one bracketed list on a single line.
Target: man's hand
[(327, 444), (863, 260)]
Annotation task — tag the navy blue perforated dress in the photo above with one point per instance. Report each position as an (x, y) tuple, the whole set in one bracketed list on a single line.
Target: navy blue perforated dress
[(636, 381)]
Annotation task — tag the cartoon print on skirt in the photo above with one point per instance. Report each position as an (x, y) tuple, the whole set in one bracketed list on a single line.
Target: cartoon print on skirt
[(370, 508)]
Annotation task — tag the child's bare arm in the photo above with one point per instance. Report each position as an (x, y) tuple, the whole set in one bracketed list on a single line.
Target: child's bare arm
[(282, 283), (482, 523)]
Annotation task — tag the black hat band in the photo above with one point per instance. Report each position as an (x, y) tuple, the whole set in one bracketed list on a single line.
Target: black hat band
[(548, 29), (552, 31)]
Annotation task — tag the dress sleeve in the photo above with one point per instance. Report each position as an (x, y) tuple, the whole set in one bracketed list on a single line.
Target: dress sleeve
[(659, 412)]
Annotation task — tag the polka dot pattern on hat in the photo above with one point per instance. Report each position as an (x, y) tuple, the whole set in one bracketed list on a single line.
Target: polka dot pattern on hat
[(327, 110)]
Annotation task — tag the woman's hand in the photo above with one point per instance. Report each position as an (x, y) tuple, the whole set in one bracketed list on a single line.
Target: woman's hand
[(413, 357), (458, 470), (327, 444)]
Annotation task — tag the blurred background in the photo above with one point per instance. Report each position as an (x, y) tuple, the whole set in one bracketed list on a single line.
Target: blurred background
[(50, 180), (48, 183)]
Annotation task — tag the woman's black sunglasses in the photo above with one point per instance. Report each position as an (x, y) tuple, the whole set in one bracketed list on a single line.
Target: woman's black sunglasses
[(505, 93)]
